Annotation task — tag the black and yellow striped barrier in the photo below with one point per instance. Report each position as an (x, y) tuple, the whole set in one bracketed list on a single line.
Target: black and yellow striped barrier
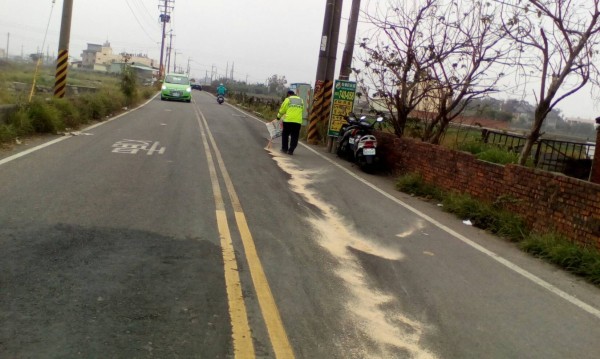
[(320, 110), (62, 65)]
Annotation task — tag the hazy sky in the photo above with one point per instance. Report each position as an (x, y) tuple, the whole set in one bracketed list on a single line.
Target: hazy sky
[(262, 37)]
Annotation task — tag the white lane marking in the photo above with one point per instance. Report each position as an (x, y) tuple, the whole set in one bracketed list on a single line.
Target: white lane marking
[(505, 262), (57, 140)]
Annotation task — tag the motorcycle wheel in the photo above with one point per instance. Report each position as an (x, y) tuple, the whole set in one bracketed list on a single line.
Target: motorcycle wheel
[(361, 161), (342, 149)]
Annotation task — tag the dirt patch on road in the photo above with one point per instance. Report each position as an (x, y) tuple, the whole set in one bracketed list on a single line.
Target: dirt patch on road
[(391, 332)]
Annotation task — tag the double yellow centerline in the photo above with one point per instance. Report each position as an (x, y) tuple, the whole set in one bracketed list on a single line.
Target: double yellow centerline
[(243, 346)]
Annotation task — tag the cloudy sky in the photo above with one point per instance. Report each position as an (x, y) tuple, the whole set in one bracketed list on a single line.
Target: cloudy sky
[(260, 37)]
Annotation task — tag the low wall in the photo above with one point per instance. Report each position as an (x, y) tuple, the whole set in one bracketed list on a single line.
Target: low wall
[(545, 200)]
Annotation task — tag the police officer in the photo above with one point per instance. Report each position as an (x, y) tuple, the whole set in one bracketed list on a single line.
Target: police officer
[(291, 111)]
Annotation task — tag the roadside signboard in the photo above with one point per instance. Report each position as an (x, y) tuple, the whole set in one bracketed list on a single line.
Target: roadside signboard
[(342, 105)]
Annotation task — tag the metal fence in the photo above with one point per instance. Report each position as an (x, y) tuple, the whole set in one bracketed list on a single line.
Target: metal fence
[(571, 158)]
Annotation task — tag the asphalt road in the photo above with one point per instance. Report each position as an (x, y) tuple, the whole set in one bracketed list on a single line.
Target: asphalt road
[(171, 232)]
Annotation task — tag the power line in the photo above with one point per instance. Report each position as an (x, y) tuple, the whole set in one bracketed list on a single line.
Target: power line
[(138, 21), (140, 4)]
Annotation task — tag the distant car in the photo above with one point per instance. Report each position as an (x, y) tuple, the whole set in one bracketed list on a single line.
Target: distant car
[(176, 87), (196, 87)]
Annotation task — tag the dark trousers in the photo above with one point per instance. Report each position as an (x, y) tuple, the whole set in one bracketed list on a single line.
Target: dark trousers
[(290, 129)]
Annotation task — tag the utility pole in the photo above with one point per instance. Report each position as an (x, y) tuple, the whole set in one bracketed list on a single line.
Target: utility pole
[(165, 17), (325, 69), (227, 70), (346, 67), (232, 66), (7, 42), (188, 67), (169, 50), (62, 62), (175, 61)]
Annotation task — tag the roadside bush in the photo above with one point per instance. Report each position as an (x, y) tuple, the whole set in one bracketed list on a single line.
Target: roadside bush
[(584, 261), (90, 106), (573, 257), (21, 123), (473, 147), (129, 84), (45, 118), (7, 133), (99, 105), (148, 92), (497, 155), (69, 112), (465, 207), (412, 183)]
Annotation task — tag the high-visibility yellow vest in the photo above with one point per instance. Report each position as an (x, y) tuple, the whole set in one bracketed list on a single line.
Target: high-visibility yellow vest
[(291, 109)]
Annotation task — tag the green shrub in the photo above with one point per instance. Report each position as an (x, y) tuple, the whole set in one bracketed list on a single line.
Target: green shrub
[(412, 183), (21, 122), (69, 112), (7, 133), (99, 105), (473, 147), (583, 261), (90, 106), (497, 155), (148, 92), (45, 118), (510, 226), (465, 207), (129, 84)]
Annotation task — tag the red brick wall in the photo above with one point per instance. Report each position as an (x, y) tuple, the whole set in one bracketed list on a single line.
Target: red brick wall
[(545, 200)]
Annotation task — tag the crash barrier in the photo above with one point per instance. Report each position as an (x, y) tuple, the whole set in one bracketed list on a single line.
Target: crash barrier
[(545, 200)]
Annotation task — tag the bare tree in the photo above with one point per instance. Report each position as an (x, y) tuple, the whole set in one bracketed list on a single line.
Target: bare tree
[(469, 54), (429, 62), (395, 60), (557, 41)]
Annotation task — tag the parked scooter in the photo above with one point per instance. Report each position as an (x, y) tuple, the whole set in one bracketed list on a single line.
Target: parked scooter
[(357, 142), (220, 99)]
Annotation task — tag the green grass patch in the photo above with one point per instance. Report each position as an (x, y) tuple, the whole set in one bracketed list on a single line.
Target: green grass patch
[(412, 183), (45, 118), (493, 217), (583, 261), (497, 155), (102, 97)]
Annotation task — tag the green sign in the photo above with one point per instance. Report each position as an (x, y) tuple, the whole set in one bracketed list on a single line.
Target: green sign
[(342, 105)]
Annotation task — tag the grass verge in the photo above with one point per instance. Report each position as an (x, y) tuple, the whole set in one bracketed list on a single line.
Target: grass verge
[(552, 247)]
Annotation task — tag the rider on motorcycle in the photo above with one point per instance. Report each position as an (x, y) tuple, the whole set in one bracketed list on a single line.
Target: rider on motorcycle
[(221, 90)]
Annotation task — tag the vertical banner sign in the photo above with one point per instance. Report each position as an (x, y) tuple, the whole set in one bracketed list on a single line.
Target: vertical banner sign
[(344, 93)]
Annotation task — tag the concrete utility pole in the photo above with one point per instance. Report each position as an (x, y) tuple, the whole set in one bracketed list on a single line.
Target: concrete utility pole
[(62, 62), (325, 69), (7, 42), (175, 60), (169, 50), (346, 68), (165, 17)]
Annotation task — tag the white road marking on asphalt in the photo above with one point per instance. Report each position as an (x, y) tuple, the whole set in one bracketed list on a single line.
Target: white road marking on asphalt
[(505, 262)]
